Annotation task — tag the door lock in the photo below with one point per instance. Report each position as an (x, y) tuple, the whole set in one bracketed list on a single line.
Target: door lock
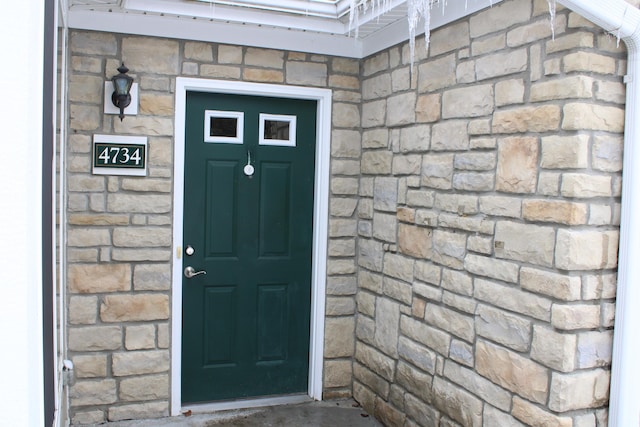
[(190, 272)]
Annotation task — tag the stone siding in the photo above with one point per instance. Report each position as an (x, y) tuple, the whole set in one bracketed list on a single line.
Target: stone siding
[(119, 239), (489, 223)]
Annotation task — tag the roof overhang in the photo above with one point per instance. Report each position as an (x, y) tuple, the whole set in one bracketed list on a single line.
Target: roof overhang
[(317, 26)]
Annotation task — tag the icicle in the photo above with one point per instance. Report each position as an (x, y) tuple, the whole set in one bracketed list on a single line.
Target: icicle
[(552, 17)]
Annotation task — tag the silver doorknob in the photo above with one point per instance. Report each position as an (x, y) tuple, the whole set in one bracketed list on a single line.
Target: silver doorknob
[(190, 272)]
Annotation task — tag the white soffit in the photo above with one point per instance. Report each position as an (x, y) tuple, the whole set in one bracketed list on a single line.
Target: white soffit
[(314, 26)]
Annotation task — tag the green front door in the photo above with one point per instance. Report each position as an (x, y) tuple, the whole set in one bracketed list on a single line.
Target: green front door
[(248, 225)]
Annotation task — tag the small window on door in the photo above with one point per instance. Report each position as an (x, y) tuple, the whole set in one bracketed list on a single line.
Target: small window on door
[(225, 127), (277, 130)]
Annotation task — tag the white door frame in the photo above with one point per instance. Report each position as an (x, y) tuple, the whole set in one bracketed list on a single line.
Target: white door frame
[(320, 220)]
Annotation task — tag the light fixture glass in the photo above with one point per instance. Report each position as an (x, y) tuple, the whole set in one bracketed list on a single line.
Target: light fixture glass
[(121, 96)]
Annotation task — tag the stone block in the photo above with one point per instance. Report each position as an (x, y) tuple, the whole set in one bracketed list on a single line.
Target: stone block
[(513, 299), (345, 115), (140, 337), (490, 267), (512, 371), (437, 74), (376, 361), (87, 417), (344, 82), (373, 113), (398, 266), (341, 266), (589, 62), (565, 88), (428, 108), (450, 135), (586, 249), (574, 40), (517, 165), (151, 54), (139, 411), (611, 92), (164, 335), (503, 327), (577, 316), (428, 272), (401, 109), (501, 64), (376, 87), (501, 206), (142, 255), (607, 153), (90, 366), (589, 389), (475, 161), (540, 118), (415, 138), (415, 381), (560, 152), (337, 373), (267, 58), (420, 198), (457, 403), (473, 181), (584, 116), (139, 203), (148, 387), (461, 204), (437, 171), (83, 88), (476, 225), (345, 143), (345, 65), (92, 392), (468, 101), (140, 362), (99, 278), (372, 380), (478, 385), (229, 54), (456, 281), (461, 352), (151, 277), (134, 308), (537, 30), (370, 254), (342, 248), (555, 211), (449, 248), (376, 63), (384, 227), (525, 242), (84, 117), (374, 138), (499, 17), (339, 337), (156, 104), (220, 71), (419, 410), (340, 306), (532, 414), (563, 287), (494, 417), (414, 241), (553, 349), (345, 167), (600, 285), (261, 75), (433, 338), (449, 38), (385, 194), (306, 73), (344, 186), (418, 355), (134, 237), (82, 310), (594, 349), (451, 321)]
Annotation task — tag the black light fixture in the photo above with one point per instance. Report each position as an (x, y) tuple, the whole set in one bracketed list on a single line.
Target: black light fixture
[(121, 96)]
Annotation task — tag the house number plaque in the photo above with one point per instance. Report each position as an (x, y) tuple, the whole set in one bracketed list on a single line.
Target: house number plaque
[(119, 155)]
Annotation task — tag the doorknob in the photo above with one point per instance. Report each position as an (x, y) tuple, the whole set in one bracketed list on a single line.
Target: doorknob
[(190, 272)]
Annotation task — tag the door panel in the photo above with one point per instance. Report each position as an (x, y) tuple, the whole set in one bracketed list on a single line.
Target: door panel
[(246, 321)]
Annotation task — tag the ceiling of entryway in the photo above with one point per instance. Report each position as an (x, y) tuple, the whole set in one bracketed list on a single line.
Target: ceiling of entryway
[(318, 26)]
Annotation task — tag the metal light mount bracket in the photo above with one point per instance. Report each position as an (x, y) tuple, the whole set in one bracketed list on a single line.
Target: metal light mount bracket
[(121, 96)]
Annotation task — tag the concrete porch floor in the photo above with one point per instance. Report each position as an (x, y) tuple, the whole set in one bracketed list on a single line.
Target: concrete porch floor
[(332, 413)]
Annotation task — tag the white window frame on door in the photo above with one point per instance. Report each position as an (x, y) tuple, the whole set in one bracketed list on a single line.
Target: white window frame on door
[(320, 221)]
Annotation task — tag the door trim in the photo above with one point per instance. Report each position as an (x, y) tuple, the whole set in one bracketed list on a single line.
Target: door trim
[(320, 217)]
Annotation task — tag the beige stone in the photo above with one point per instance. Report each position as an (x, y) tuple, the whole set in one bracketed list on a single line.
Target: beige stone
[(513, 299), (555, 285), (373, 113), (589, 389), (145, 125), (83, 88), (509, 92), (457, 403), (136, 307), (499, 17), (560, 152), (585, 186), (478, 385), (501, 64), (401, 109), (586, 249), (139, 337), (449, 38), (553, 349), (337, 373), (535, 31), (261, 75), (156, 104), (305, 73), (99, 278), (140, 362), (468, 101), (92, 392), (490, 267), (220, 71), (448, 248), (416, 382), (428, 108), (229, 54), (148, 387), (512, 371), (376, 63), (533, 415), (451, 321), (84, 117), (414, 241), (134, 237), (565, 88), (527, 119), (339, 337), (83, 310), (503, 327), (450, 135), (93, 43), (94, 338), (588, 62), (517, 165), (582, 116), (90, 366), (437, 74), (579, 39), (572, 317), (554, 211)]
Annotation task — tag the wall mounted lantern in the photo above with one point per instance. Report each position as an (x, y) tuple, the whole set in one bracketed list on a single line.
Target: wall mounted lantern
[(121, 96)]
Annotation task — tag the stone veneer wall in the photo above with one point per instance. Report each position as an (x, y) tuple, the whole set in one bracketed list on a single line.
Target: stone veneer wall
[(119, 240), (488, 223)]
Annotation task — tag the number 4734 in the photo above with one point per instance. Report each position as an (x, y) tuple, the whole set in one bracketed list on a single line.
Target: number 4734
[(120, 155)]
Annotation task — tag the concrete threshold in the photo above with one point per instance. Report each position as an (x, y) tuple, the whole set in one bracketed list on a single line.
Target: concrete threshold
[(332, 413)]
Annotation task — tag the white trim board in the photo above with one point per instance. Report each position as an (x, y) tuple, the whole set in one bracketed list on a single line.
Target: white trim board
[(321, 218)]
